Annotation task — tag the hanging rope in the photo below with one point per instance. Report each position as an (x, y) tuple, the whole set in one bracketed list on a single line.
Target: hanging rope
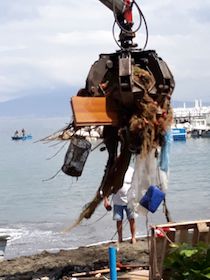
[(57, 151), (166, 212), (100, 218), (45, 180)]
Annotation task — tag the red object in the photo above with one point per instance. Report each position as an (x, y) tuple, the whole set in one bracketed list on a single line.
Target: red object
[(108, 207), (128, 12), (160, 231)]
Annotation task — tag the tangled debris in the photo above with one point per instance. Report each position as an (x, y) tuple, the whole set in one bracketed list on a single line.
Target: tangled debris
[(128, 93), (144, 115)]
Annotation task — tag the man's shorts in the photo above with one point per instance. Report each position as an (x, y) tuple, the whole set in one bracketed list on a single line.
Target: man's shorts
[(118, 212)]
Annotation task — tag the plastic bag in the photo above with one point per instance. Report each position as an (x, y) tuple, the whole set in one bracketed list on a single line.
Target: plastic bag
[(147, 173)]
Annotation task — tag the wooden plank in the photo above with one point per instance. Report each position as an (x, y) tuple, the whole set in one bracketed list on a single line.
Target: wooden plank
[(160, 243), (154, 257), (203, 236), (195, 236), (138, 274), (209, 236), (203, 230), (89, 111), (183, 236), (135, 274), (190, 224), (94, 272), (162, 255), (202, 227)]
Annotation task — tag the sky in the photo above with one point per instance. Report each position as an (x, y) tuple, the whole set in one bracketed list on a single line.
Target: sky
[(49, 44)]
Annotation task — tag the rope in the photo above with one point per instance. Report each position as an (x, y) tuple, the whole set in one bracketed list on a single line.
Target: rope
[(124, 223), (100, 218), (93, 149), (165, 235), (166, 212), (57, 151), (147, 228), (45, 180)]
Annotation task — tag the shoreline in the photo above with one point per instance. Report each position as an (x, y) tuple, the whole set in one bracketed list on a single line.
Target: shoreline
[(67, 262)]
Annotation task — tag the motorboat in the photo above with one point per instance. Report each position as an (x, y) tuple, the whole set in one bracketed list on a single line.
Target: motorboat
[(179, 134)]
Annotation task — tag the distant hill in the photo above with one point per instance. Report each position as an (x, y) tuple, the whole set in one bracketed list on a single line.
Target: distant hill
[(50, 104)]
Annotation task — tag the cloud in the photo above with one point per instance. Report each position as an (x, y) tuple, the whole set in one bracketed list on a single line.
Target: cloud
[(49, 43)]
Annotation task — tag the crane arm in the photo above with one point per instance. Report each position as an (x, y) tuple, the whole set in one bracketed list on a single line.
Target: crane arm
[(120, 7)]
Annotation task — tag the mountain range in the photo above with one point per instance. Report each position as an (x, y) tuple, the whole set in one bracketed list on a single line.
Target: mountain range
[(55, 103), (45, 104)]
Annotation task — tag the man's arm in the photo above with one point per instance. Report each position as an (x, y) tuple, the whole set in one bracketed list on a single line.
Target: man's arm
[(107, 204)]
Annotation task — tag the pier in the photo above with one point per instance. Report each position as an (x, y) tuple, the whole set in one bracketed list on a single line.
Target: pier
[(196, 120)]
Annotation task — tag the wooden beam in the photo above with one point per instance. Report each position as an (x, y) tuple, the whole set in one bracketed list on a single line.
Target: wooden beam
[(202, 227), (180, 225)]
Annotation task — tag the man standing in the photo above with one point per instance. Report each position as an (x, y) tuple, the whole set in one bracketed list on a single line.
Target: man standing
[(120, 202)]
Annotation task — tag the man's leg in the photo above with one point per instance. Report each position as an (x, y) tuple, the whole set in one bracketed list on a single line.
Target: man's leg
[(133, 230), (119, 231), (131, 219), (118, 217)]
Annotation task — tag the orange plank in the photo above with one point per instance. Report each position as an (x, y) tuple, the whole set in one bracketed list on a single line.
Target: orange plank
[(93, 111)]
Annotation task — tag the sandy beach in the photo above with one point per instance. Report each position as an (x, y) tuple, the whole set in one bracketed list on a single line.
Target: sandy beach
[(65, 263)]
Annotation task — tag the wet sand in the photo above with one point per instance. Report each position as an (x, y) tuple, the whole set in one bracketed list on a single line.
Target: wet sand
[(63, 264)]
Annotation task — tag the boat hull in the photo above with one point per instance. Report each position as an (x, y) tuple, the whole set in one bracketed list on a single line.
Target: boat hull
[(16, 138)]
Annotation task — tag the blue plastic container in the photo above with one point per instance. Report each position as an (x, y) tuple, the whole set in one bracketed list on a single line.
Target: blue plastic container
[(152, 198)]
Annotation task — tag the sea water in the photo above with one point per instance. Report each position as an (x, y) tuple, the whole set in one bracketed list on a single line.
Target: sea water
[(36, 209)]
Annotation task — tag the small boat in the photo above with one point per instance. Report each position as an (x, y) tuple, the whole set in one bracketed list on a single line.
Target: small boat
[(195, 133), (26, 137), (179, 134), (205, 133)]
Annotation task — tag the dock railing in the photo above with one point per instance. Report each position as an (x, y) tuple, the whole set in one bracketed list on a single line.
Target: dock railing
[(164, 234)]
